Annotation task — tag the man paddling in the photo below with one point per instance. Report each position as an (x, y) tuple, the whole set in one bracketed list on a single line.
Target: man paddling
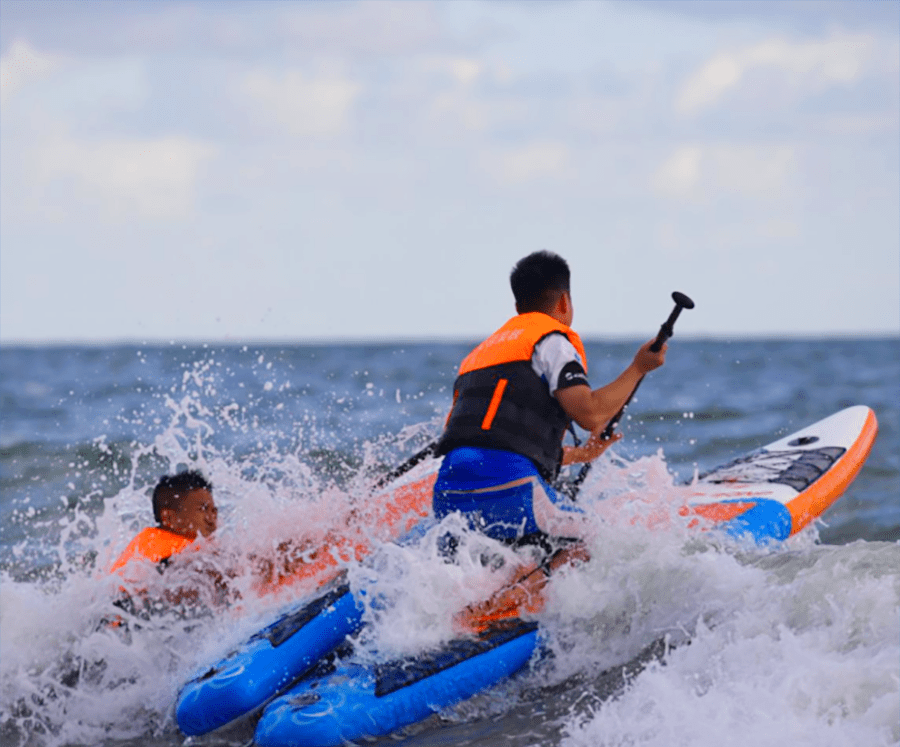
[(514, 398)]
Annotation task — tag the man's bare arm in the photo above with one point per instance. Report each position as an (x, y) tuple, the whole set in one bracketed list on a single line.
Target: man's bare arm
[(593, 409)]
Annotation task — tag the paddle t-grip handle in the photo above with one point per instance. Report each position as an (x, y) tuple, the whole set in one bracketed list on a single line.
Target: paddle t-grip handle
[(665, 332), (667, 329)]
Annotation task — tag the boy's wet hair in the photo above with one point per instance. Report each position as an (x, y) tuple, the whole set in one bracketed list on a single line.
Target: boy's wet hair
[(537, 280), (172, 488)]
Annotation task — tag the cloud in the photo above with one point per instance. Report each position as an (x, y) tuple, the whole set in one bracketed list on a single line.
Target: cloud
[(365, 29), (696, 172), (119, 179), (303, 105), (802, 16), (457, 105), (492, 100), (798, 68), (679, 175), (464, 71), (241, 28), (538, 160), (20, 65)]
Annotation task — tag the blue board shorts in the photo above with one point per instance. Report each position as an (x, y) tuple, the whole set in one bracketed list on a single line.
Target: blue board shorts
[(502, 494)]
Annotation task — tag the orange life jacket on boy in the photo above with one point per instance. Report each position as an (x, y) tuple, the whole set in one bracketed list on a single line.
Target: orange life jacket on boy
[(154, 544)]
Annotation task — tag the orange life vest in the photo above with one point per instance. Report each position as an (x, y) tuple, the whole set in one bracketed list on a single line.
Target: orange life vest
[(501, 403), (154, 544)]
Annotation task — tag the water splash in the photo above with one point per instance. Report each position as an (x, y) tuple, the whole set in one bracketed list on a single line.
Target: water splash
[(749, 627), (71, 678), (801, 647)]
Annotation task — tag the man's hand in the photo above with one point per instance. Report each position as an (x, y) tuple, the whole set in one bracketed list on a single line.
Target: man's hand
[(590, 449), (645, 360)]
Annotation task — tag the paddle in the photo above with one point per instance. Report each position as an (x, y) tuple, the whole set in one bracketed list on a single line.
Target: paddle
[(666, 330), (406, 466)]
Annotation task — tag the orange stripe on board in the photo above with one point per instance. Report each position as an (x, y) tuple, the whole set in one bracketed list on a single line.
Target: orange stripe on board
[(412, 501), (717, 512), (495, 404), (828, 488), (523, 595)]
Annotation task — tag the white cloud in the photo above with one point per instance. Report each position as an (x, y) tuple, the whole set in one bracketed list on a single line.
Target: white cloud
[(753, 171), (154, 178), (303, 105), (802, 67), (20, 65), (453, 102), (488, 104), (456, 109), (370, 28), (779, 228), (694, 172), (463, 70), (538, 160), (679, 175)]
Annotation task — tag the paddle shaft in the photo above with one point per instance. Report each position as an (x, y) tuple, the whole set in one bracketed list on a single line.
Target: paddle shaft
[(666, 330), (406, 466)]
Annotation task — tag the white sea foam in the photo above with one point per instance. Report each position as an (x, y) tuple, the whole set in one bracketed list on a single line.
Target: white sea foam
[(68, 677), (799, 647)]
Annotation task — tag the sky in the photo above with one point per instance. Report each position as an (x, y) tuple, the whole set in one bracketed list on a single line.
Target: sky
[(313, 171)]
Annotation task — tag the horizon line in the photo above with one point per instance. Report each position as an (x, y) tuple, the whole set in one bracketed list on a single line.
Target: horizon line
[(432, 339)]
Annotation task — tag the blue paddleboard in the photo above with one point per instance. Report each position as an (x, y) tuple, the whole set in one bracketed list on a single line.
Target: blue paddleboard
[(268, 662), (355, 701)]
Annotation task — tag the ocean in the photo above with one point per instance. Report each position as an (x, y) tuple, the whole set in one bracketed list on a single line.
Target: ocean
[(664, 638)]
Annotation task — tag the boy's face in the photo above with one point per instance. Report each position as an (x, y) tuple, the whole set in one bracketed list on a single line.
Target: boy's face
[(197, 513)]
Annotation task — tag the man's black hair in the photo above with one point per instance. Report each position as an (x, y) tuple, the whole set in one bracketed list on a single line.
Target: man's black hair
[(537, 280), (172, 488)]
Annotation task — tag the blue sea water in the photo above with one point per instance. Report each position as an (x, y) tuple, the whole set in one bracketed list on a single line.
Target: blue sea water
[(798, 644)]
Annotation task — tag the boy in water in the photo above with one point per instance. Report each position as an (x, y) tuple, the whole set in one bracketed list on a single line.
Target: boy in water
[(185, 510), (183, 507), (514, 398)]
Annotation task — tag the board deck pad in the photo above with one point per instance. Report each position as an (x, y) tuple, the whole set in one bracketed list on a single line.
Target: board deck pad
[(281, 630), (797, 469), (392, 676)]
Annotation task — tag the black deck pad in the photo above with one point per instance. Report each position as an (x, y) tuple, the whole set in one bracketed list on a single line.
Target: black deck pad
[(797, 469), (280, 631), (401, 673)]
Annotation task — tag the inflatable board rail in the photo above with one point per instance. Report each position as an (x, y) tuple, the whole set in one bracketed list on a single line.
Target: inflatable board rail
[(767, 495)]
